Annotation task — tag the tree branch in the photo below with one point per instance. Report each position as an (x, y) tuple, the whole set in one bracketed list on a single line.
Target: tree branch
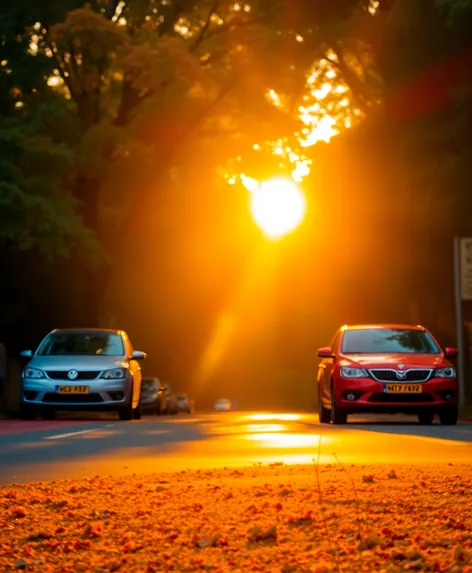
[(174, 11), (62, 71), (242, 22), (357, 88), (203, 31), (73, 66), (111, 9)]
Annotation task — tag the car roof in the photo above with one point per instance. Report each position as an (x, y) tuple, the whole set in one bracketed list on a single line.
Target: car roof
[(91, 330), (383, 326)]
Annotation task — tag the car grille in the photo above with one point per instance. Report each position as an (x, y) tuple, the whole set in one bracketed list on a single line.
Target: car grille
[(400, 398), (62, 375), (411, 375), (72, 398)]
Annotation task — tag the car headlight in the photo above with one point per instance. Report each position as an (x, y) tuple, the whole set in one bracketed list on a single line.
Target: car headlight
[(447, 372), (347, 372), (114, 374), (33, 373)]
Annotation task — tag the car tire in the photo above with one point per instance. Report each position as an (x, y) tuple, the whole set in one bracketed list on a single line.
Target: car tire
[(426, 417), (27, 412), (337, 415), (48, 414), (323, 413), (126, 412), (158, 411), (137, 414), (449, 416)]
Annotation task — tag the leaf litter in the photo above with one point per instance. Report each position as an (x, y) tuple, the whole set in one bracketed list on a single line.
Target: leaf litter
[(378, 519)]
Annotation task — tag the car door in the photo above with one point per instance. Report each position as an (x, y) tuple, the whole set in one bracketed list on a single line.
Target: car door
[(325, 369)]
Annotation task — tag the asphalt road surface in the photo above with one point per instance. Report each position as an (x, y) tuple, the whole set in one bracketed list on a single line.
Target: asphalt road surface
[(71, 447)]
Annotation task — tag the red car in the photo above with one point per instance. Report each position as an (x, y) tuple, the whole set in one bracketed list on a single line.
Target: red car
[(387, 369)]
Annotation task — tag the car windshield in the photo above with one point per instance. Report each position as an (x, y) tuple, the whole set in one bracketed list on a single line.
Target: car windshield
[(388, 341), (149, 384), (82, 344)]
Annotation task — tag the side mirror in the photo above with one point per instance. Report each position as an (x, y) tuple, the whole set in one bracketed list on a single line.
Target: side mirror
[(138, 355), (26, 353), (325, 352), (451, 353)]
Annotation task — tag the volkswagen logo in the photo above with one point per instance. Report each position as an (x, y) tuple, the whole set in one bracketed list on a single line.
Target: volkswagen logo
[(72, 374), (401, 375)]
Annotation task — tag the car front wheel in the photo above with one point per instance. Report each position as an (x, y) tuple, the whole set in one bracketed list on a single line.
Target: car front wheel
[(338, 415), (323, 413), (126, 412), (27, 412), (449, 416), (137, 412)]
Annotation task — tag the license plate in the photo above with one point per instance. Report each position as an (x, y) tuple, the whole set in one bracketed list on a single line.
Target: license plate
[(403, 388), (73, 389)]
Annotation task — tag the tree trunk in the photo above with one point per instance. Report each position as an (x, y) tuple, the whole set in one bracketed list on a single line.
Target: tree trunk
[(94, 277)]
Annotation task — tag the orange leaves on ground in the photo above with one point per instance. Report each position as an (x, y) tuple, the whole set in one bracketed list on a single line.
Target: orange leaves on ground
[(257, 534), (266, 519), (18, 512)]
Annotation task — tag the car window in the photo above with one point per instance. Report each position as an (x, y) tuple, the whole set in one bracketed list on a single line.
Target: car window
[(82, 344), (388, 341)]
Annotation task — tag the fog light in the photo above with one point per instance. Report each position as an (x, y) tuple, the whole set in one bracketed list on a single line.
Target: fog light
[(448, 396), (351, 396)]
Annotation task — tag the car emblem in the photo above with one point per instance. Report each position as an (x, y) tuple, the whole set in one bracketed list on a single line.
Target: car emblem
[(72, 374), (401, 375), (401, 366)]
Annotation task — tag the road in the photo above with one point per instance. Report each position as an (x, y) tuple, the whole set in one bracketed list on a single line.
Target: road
[(71, 447)]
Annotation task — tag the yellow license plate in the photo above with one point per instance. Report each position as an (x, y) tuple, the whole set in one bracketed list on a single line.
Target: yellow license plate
[(73, 389), (403, 388)]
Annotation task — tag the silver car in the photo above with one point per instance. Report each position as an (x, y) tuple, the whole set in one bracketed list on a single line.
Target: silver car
[(82, 369), (153, 397)]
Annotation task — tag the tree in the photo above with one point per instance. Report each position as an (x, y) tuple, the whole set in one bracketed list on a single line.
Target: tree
[(139, 78)]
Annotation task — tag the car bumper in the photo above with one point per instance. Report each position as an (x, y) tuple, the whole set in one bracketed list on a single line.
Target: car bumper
[(370, 395), (102, 394)]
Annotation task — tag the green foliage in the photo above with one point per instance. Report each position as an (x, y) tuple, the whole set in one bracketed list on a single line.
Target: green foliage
[(35, 211), (138, 88)]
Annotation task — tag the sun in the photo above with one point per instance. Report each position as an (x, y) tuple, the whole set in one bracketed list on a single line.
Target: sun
[(278, 207)]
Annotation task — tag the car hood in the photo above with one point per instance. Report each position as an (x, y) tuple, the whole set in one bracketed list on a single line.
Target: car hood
[(77, 362), (393, 360)]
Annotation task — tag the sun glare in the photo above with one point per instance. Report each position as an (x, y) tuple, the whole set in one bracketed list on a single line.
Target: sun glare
[(278, 207)]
